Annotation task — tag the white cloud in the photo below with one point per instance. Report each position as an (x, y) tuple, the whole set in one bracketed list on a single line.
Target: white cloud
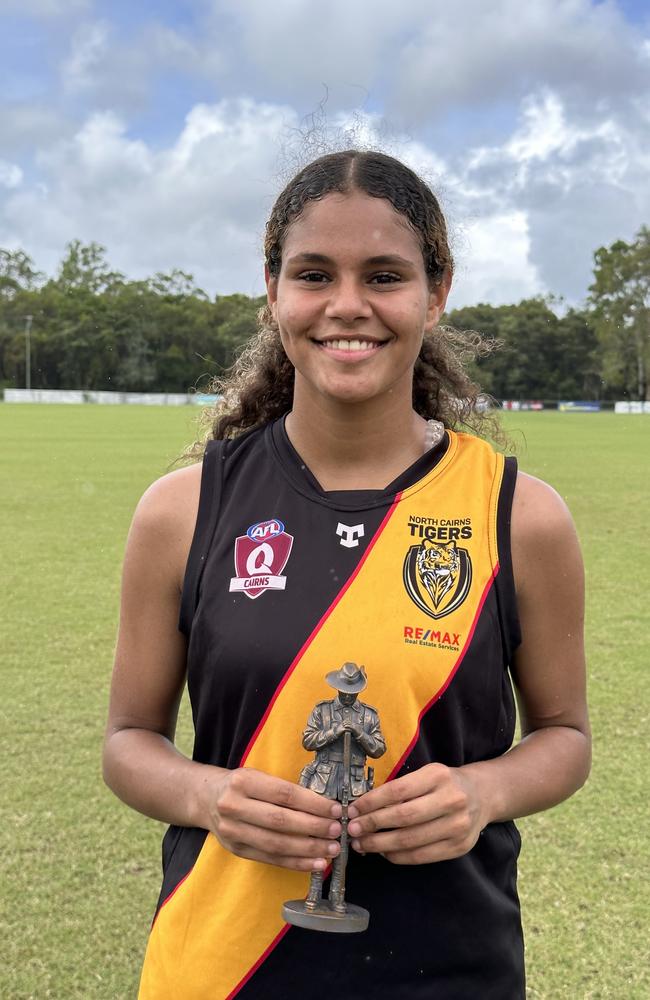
[(90, 45), (525, 215), (297, 49), (105, 67), (199, 55), (495, 264), (100, 152), (425, 60), (586, 52), (25, 126), (543, 132), (10, 174), (532, 122), (198, 204), (580, 185)]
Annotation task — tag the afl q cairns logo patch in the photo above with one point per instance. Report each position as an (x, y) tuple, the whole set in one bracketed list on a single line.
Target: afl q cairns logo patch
[(260, 556), (437, 576)]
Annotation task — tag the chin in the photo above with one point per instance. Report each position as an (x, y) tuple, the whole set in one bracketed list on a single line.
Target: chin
[(352, 395), (351, 388)]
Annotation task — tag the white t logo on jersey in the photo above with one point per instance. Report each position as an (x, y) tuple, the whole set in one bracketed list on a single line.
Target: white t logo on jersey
[(350, 534)]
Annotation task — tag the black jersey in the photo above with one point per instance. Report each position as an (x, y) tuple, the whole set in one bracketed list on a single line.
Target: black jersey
[(284, 583)]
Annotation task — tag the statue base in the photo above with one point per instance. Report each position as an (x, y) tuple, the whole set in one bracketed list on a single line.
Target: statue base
[(325, 918)]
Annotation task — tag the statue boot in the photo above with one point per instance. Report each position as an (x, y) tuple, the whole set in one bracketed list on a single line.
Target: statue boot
[(315, 893)]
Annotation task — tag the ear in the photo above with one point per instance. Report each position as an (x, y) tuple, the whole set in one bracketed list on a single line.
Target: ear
[(437, 301), (271, 289)]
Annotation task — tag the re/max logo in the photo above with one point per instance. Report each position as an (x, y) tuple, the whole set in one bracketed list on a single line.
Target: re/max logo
[(429, 635)]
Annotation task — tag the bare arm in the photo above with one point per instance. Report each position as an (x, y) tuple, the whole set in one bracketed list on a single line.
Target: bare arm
[(438, 812), (141, 764), (254, 815), (553, 758)]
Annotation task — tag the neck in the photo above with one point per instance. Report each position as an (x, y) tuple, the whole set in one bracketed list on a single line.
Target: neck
[(355, 446)]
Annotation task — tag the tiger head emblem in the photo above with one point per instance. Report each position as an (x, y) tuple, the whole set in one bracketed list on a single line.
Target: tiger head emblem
[(438, 567), (437, 576)]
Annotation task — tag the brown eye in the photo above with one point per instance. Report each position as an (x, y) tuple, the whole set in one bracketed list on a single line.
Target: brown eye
[(313, 277), (385, 278)]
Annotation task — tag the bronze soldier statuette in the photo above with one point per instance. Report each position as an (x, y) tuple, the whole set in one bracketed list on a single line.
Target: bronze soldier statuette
[(342, 732)]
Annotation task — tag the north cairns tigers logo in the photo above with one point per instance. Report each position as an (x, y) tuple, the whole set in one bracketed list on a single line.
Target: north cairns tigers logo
[(437, 576)]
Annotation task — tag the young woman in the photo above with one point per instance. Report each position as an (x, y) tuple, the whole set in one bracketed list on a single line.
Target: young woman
[(338, 516)]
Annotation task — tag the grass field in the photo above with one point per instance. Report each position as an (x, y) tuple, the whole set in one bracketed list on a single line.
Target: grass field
[(81, 871)]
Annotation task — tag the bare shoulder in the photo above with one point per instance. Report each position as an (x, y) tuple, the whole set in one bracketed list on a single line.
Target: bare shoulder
[(542, 532), (538, 511), (549, 664), (164, 520), (168, 498)]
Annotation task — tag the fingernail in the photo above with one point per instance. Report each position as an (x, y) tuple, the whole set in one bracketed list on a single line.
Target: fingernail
[(319, 864), (333, 849), (354, 829), (353, 812), (335, 830), (356, 844), (336, 811)]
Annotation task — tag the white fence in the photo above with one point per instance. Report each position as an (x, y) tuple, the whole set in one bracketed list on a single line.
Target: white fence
[(631, 406), (108, 398), (207, 399)]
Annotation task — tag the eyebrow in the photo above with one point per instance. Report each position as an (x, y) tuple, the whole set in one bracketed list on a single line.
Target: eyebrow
[(382, 260)]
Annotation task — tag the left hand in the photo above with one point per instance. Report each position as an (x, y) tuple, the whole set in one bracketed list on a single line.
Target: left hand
[(433, 814)]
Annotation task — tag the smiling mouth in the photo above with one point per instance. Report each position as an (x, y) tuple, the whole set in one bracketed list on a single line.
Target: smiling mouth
[(350, 345)]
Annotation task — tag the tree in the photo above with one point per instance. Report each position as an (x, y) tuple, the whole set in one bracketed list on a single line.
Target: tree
[(525, 365), (19, 290), (484, 319), (620, 296), (234, 321), (175, 284), (17, 272), (541, 356), (578, 372), (85, 267)]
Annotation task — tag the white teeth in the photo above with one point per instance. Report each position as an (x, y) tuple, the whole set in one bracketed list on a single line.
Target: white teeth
[(350, 345)]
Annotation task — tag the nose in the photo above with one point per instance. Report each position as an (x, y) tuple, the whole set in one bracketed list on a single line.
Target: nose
[(348, 301)]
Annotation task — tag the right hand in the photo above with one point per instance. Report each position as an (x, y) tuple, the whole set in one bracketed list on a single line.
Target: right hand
[(348, 726), (257, 816)]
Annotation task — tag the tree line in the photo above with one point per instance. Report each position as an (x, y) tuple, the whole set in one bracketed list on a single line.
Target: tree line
[(92, 328)]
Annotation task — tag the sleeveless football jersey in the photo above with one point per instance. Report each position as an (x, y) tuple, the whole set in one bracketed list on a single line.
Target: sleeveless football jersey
[(284, 583)]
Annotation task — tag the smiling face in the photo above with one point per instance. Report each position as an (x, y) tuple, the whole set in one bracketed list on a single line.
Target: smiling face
[(352, 300)]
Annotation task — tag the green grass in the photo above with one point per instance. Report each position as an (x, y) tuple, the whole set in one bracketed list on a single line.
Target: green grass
[(81, 871), (584, 866)]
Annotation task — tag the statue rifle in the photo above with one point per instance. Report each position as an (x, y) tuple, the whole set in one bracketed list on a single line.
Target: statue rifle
[(345, 801)]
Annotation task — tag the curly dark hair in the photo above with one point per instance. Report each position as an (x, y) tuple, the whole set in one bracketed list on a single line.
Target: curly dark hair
[(259, 386)]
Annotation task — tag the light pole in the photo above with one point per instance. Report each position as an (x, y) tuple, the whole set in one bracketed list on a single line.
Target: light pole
[(28, 352)]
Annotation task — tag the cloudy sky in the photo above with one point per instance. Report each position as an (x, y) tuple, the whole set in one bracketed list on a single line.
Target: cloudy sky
[(164, 129)]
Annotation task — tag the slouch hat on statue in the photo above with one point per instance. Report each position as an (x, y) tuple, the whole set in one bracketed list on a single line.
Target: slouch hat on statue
[(350, 679)]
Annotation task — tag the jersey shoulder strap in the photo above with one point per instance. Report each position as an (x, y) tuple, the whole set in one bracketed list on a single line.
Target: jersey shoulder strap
[(206, 521), (505, 583)]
